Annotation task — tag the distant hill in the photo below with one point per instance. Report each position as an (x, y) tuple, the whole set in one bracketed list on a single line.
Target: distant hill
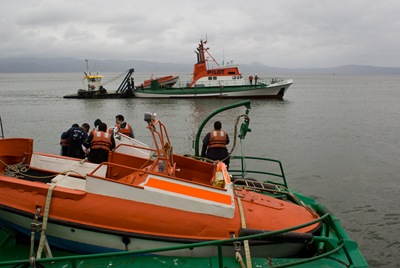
[(46, 65)]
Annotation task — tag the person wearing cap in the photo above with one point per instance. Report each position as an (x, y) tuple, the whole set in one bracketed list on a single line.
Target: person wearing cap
[(123, 127), (214, 144), (76, 136)]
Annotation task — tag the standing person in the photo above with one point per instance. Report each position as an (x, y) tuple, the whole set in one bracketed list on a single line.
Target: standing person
[(251, 79), (76, 137), (214, 144), (123, 127), (100, 143), (255, 79)]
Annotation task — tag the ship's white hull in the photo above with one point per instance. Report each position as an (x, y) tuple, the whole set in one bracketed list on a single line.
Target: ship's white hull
[(276, 90)]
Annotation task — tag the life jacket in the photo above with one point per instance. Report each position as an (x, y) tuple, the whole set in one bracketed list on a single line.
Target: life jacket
[(217, 139), (125, 130), (101, 140), (93, 131)]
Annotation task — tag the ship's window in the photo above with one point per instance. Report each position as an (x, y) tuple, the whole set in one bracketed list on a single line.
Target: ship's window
[(210, 78), (231, 73), (214, 78)]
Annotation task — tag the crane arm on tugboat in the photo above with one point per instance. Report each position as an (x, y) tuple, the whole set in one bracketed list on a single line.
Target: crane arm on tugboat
[(127, 83)]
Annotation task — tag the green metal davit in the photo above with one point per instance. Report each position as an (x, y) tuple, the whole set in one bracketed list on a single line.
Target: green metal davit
[(243, 130)]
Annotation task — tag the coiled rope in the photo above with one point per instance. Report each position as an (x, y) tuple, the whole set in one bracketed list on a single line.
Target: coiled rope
[(19, 171), (245, 242)]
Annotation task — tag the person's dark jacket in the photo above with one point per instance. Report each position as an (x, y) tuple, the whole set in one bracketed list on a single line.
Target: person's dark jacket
[(76, 137)]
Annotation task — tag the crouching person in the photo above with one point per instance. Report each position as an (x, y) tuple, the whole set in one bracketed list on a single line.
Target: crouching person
[(100, 143)]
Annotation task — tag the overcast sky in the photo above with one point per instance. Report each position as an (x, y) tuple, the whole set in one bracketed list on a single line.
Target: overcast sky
[(279, 33)]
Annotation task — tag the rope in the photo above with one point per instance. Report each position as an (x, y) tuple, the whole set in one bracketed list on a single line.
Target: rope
[(34, 229), (13, 170), (21, 169), (246, 242), (296, 199), (43, 240), (113, 79), (240, 259), (235, 131), (43, 243)]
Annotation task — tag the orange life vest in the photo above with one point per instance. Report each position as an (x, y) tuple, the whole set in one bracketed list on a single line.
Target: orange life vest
[(217, 139), (101, 140), (125, 130)]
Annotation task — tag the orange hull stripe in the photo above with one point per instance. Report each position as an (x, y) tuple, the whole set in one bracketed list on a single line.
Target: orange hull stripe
[(190, 191)]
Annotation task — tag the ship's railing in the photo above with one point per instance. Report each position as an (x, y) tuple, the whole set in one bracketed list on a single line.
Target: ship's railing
[(233, 82), (332, 244), (249, 165), (211, 83)]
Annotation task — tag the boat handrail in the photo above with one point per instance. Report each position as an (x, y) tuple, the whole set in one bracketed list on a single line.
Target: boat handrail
[(234, 82), (332, 245), (138, 146), (210, 83), (243, 171)]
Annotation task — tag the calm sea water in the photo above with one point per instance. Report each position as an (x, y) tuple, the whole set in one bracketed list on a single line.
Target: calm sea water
[(337, 136)]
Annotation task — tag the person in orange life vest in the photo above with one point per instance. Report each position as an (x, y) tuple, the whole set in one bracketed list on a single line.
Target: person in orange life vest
[(96, 123), (214, 144), (123, 127), (100, 143), (251, 79)]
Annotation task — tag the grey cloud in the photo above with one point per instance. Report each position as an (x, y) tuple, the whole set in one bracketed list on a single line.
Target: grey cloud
[(287, 33)]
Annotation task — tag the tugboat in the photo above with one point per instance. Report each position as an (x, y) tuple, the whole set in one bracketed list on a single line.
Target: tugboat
[(94, 88)]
